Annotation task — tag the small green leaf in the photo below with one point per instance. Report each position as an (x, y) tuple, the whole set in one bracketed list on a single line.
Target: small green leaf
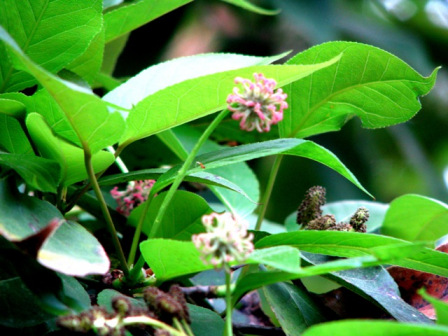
[(353, 244), (440, 307), (39, 173), (375, 328), (12, 137), (126, 18), (285, 258), (10, 106), (198, 97), (105, 297), (293, 307), (51, 32), (414, 217), (182, 218), (69, 157), (251, 7), (95, 127), (366, 81)]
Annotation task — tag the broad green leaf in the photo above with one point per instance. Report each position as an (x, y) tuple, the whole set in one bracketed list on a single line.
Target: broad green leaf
[(441, 307), (296, 147), (181, 220), (251, 7), (12, 137), (374, 284), (89, 63), (375, 328), (368, 82), (69, 157), (51, 32), (294, 307), (353, 244), (163, 75), (39, 173), (198, 97), (71, 250), (415, 217), (112, 51), (132, 15), (343, 210), (171, 258), (182, 139), (205, 322), (95, 127)]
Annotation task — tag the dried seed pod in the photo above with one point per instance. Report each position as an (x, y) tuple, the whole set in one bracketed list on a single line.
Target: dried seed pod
[(359, 219), (322, 223), (177, 294), (310, 209)]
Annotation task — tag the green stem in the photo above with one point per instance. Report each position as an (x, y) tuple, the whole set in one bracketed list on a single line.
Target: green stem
[(109, 223), (152, 322), (268, 191), (138, 231), (228, 331), (183, 172), (187, 328)]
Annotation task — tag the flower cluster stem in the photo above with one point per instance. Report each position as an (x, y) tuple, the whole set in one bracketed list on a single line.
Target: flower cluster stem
[(183, 172), (107, 217), (268, 191), (131, 320), (228, 331)]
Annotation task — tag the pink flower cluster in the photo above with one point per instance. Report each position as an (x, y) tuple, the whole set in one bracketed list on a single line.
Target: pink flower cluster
[(258, 106), (226, 240), (136, 193)]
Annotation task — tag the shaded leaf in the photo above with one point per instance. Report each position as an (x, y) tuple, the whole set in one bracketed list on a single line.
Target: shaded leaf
[(12, 137), (440, 307), (293, 307), (251, 7), (367, 82), (205, 322), (51, 32), (414, 217), (105, 297)]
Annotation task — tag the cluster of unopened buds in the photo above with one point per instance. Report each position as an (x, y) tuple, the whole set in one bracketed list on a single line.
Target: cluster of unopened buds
[(136, 193), (162, 308), (258, 106), (310, 214), (226, 240)]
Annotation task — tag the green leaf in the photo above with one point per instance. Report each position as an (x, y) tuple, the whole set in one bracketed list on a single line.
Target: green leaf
[(295, 147), (198, 97), (126, 18), (182, 218), (353, 244), (89, 63), (112, 51), (373, 283), (293, 307), (367, 82), (343, 210), (95, 127), (71, 250), (39, 173), (51, 32), (163, 75), (440, 307), (171, 258), (12, 137), (415, 217), (375, 328), (251, 7), (205, 322), (69, 157)]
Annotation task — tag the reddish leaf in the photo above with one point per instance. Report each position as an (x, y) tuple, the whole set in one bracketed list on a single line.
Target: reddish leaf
[(410, 281)]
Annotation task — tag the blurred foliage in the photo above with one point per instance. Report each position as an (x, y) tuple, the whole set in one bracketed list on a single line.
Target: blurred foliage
[(408, 158)]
